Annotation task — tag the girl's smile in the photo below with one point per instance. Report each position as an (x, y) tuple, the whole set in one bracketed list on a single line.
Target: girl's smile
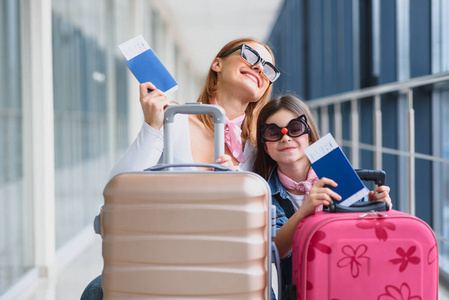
[(287, 149)]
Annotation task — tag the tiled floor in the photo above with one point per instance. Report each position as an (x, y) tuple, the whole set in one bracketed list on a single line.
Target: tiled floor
[(71, 282)]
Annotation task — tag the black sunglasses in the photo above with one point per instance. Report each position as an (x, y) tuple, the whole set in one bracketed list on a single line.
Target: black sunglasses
[(252, 57), (295, 128)]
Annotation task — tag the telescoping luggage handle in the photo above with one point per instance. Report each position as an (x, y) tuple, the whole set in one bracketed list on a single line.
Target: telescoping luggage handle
[(378, 177), (195, 108)]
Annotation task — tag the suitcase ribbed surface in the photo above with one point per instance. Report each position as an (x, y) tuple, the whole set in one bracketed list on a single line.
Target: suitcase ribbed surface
[(169, 235)]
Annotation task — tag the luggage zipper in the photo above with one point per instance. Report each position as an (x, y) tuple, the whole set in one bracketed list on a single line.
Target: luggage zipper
[(372, 213)]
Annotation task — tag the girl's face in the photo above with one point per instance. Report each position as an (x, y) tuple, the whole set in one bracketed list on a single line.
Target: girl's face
[(287, 150), (244, 78)]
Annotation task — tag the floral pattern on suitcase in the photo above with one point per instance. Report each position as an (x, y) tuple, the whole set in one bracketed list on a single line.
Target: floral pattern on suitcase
[(346, 254), (355, 258)]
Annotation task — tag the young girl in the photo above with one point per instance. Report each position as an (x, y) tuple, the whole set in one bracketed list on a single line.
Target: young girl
[(285, 128), (239, 80)]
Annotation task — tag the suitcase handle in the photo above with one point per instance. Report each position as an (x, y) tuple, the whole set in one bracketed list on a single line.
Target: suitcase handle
[(361, 206), (378, 176), (216, 167), (195, 108)]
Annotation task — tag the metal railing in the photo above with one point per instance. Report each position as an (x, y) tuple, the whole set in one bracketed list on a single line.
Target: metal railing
[(405, 90)]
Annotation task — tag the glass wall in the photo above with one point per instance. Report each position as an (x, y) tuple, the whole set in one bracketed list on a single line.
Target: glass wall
[(440, 134), (442, 183), (83, 77), (16, 242), (122, 28)]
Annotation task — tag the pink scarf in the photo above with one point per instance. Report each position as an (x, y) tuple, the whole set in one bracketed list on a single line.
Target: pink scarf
[(302, 186), (233, 135)]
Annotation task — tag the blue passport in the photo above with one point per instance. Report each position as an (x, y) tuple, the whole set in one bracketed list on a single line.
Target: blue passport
[(146, 66), (328, 160)]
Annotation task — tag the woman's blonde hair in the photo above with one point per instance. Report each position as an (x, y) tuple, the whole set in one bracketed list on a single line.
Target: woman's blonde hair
[(264, 164), (209, 92)]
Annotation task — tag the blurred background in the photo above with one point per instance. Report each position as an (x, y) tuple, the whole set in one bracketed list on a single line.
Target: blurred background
[(376, 73)]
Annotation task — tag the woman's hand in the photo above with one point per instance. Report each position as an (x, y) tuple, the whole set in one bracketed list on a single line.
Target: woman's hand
[(226, 160), (153, 104), (319, 195), (382, 193)]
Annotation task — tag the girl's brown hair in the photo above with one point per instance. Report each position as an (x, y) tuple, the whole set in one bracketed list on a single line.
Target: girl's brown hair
[(264, 164), (209, 92)]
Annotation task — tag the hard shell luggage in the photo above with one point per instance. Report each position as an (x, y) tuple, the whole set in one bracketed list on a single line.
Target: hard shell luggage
[(171, 234), (365, 255)]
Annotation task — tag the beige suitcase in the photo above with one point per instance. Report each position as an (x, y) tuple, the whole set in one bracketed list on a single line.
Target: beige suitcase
[(187, 235)]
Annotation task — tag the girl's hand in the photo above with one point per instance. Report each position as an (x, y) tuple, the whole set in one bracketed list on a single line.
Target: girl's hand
[(153, 104), (319, 195), (226, 161), (382, 193)]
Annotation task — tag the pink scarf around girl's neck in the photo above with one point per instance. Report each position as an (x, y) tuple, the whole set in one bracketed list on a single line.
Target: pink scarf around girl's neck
[(302, 186)]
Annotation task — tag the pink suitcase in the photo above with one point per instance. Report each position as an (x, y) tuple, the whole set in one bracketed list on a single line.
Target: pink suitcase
[(186, 234), (374, 255)]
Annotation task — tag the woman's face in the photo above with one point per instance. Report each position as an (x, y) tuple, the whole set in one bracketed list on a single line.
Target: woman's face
[(287, 150), (246, 80)]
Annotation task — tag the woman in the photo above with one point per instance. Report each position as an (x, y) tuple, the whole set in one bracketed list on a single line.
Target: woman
[(239, 80), (285, 128)]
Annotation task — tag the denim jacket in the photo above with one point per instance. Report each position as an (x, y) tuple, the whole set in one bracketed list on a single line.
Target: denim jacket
[(284, 210)]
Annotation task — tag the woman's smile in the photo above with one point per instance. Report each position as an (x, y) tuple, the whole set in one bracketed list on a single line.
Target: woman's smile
[(252, 76)]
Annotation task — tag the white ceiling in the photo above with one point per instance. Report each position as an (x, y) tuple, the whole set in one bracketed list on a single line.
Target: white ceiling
[(205, 26)]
